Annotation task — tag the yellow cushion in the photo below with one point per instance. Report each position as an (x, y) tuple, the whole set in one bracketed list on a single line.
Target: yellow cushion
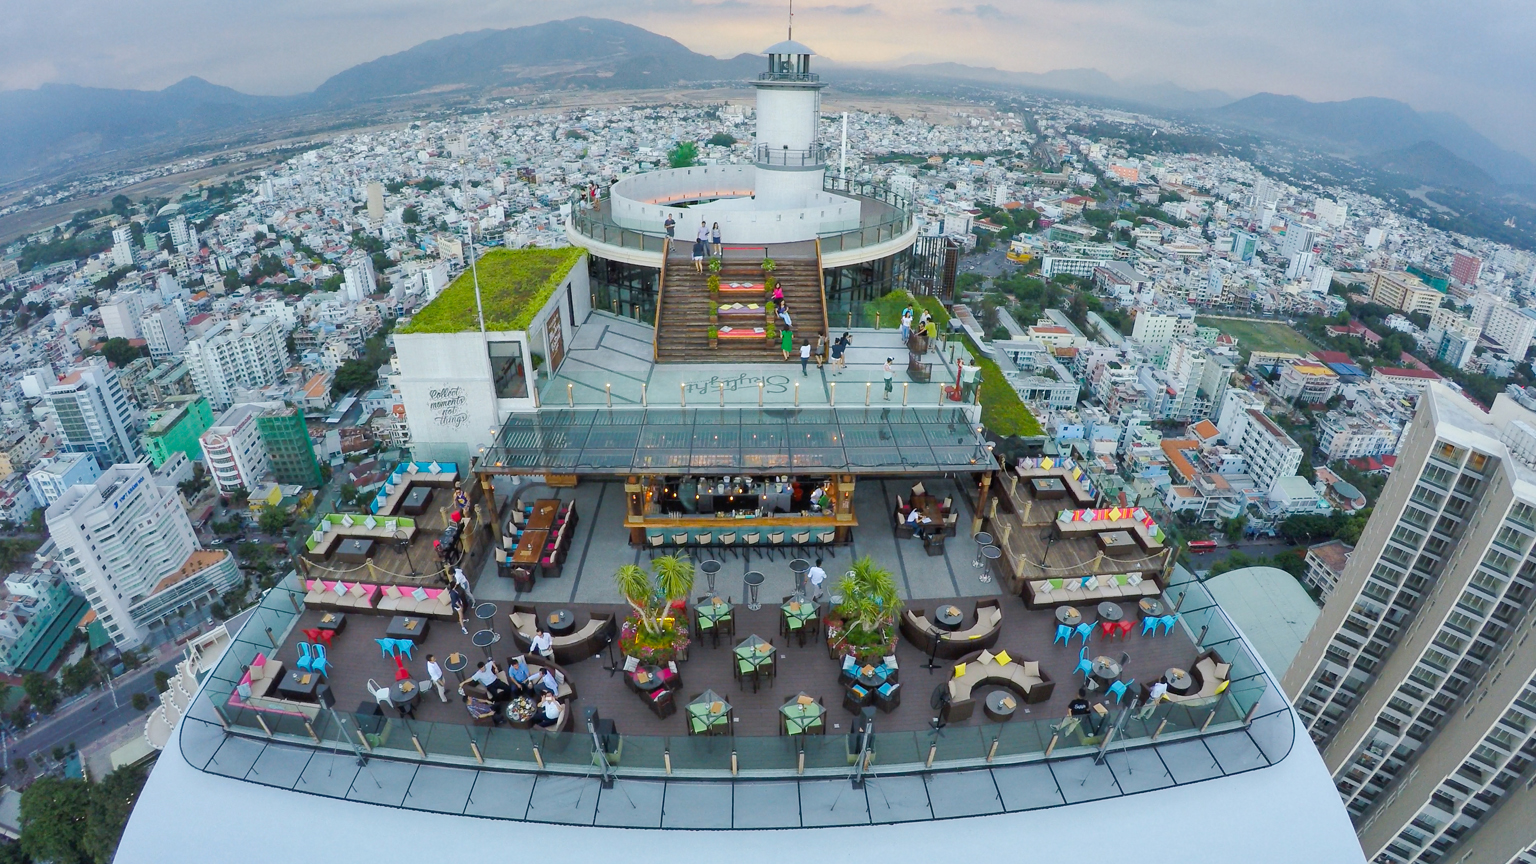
[(986, 656), (1003, 659), (959, 669), (1222, 687)]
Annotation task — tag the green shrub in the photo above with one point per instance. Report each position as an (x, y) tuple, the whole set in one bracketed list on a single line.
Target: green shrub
[(1002, 411)]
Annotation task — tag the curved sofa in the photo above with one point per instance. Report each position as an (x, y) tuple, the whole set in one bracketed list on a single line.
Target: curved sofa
[(982, 633), (1024, 677)]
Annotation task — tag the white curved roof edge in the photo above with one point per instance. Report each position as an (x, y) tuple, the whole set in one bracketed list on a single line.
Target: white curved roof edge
[(788, 46)]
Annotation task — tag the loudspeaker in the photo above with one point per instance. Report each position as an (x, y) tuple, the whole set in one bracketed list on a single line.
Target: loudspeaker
[(326, 698)]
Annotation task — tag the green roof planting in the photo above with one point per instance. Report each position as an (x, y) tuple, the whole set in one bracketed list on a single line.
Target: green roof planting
[(514, 286)]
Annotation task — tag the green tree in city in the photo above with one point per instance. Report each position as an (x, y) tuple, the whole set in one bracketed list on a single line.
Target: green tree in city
[(42, 690), (1234, 528), (140, 701), (684, 155), (120, 353), (54, 813), (410, 216), (273, 520), (720, 139)]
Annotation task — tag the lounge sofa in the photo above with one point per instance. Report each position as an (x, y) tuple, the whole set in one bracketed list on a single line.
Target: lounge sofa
[(384, 599), (1088, 590), (261, 678), (566, 693), (1211, 677), (982, 668), (982, 633), (586, 641)]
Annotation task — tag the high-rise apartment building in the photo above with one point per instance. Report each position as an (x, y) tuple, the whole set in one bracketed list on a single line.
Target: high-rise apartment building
[(290, 453), (161, 328), (120, 315), (122, 246), (236, 355), (127, 545), (360, 279), (1418, 682), (233, 450), (175, 426), (1512, 326), (375, 203), (1404, 291), (1466, 268), (1272, 454), (56, 472), (94, 413)]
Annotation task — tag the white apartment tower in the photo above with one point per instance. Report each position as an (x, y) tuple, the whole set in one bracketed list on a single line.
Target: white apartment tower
[(162, 329), (234, 452), (1418, 681), (1512, 326), (361, 281), (122, 246), (94, 415), (128, 547), (1272, 455), (120, 315), (234, 355), (375, 203)]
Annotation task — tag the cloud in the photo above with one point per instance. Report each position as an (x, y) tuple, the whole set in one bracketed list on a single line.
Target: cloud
[(980, 10), (861, 9)]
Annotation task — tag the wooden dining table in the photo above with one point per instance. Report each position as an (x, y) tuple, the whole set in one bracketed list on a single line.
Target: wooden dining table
[(530, 549)]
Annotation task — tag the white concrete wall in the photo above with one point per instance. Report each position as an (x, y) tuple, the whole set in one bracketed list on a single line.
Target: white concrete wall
[(639, 203), (787, 116)]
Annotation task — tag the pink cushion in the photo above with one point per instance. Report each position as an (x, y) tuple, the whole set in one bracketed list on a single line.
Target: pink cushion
[(261, 659), (547, 562), (433, 592)]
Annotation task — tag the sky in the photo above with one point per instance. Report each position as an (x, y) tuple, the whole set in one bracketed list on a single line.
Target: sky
[(1472, 58)]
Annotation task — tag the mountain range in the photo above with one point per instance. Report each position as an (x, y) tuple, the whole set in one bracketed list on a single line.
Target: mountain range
[(57, 128)]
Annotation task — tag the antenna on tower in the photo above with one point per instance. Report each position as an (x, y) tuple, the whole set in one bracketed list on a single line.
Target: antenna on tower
[(791, 20)]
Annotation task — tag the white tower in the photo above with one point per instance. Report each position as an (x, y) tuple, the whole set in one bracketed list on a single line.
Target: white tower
[(789, 158)]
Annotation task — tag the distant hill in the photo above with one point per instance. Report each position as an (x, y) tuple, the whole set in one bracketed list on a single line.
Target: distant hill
[(1082, 82), (1434, 165), (587, 52), (1372, 127), (59, 122)]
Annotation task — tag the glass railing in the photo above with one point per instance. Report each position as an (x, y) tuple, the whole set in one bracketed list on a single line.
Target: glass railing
[(1249, 699), (895, 218), (783, 157), (595, 223)]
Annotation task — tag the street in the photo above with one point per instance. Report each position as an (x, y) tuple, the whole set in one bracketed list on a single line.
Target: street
[(1264, 547), (90, 718)]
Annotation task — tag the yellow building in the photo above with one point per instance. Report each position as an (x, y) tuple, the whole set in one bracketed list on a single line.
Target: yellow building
[(1403, 291)]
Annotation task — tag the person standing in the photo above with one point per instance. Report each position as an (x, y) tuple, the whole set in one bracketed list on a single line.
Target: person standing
[(805, 359), (815, 576), (671, 226), (842, 356), (837, 355), (906, 324), (462, 581), (787, 342), (821, 349), (715, 236), (435, 672), (456, 599), (698, 255), (890, 376), (703, 232)]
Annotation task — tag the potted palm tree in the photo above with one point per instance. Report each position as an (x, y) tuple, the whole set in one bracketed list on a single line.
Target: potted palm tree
[(863, 623), (714, 337), (657, 629)]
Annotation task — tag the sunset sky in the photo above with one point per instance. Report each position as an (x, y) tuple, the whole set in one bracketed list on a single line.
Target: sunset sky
[(1473, 58)]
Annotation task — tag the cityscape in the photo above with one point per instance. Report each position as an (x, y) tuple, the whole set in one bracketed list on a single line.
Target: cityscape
[(1201, 454)]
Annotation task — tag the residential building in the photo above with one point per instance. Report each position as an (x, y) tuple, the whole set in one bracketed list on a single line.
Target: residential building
[(163, 332), (285, 437), (1408, 379), (120, 315), (1346, 436), (122, 246), (1272, 455), (1307, 383), (126, 544), (38, 617), (1418, 683), (359, 279), (1466, 268), (1158, 329), (1325, 565), (94, 414), (233, 450), (57, 472), (175, 427), (1512, 326), (1232, 414), (1405, 291), (236, 355)]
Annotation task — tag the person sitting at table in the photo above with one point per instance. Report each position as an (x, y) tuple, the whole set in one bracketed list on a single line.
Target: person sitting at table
[(518, 674), (485, 676), (1157, 691), (549, 681), (542, 642), (549, 711)]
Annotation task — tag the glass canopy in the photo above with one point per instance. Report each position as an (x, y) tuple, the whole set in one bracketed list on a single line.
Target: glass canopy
[(861, 440)]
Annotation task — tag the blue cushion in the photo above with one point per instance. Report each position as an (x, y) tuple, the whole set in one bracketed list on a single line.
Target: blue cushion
[(887, 688)]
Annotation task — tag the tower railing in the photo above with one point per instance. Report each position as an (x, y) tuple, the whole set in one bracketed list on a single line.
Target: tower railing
[(808, 77), (782, 157)]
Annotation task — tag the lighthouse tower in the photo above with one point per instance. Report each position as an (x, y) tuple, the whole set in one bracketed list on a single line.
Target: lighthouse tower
[(788, 157)]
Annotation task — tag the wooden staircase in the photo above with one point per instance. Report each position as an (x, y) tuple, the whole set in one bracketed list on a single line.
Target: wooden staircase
[(682, 313)]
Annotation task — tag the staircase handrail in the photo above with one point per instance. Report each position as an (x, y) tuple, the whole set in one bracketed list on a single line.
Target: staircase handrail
[(821, 284), (661, 287)]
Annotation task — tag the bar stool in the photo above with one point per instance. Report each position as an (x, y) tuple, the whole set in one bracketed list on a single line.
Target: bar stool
[(711, 568), (752, 584), (983, 540), (991, 554)]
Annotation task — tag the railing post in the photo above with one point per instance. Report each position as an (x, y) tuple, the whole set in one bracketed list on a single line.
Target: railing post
[(263, 724), (538, 757), (666, 760)]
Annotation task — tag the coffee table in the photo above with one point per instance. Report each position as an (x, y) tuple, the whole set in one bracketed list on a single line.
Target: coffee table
[(403, 698), (948, 617), (560, 622), (1180, 683), (1000, 705), (299, 685), (1106, 670), (1110, 611), (412, 627), (1068, 615), (354, 550), (650, 681), (334, 621), (416, 501), (1151, 607)]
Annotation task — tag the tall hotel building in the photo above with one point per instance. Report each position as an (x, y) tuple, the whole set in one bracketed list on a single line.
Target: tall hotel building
[(1418, 682)]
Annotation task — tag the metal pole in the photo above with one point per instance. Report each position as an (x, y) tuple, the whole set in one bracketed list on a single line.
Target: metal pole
[(797, 394), (608, 388), (832, 390), (842, 168), (759, 394), (643, 403), (867, 385), (722, 394), (570, 394), (682, 394), (904, 386)]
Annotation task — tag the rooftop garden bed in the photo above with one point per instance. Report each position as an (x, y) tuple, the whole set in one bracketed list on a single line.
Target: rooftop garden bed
[(514, 285)]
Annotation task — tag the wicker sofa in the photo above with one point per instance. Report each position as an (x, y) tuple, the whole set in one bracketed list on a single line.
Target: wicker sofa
[(1088, 590), (1212, 676), (587, 640), (982, 668), (982, 633)]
